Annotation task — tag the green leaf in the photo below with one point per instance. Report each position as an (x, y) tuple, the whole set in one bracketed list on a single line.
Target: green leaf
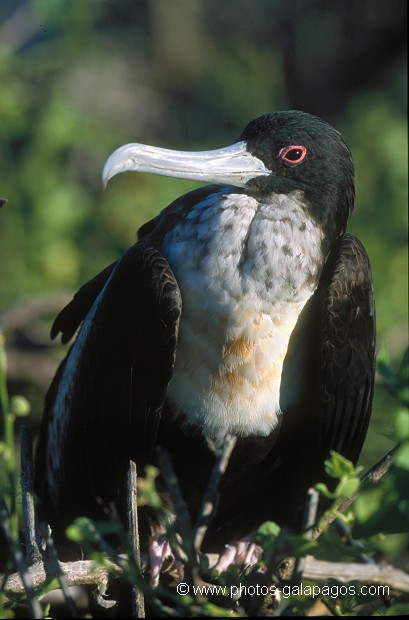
[(269, 529), (50, 584), (268, 535), (147, 493), (347, 487), (337, 466), (324, 490), (81, 530)]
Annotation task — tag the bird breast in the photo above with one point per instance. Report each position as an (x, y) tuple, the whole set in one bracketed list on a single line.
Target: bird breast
[(245, 270)]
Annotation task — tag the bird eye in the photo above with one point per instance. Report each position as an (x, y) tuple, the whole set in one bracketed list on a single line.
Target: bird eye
[(292, 154)]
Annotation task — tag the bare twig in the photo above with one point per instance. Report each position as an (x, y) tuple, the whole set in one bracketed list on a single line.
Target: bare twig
[(57, 570), (344, 533), (184, 526), (371, 574), (179, 506), (81, 572), (27, 487), (138, 603), (86, 572), (209, 501), (309, 520), (310, 516)]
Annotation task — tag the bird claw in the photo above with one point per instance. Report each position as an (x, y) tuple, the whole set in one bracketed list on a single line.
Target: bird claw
[(160, 553), (159, 550), (240, 552)]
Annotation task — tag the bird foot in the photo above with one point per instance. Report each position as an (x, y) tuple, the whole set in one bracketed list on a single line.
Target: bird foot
[(161, 553), (159, 550), (240, 552)]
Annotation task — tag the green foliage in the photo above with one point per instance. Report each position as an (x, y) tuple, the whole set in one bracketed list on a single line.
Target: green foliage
[(397, 383), (343, 470), (385, 508), (276, 541)]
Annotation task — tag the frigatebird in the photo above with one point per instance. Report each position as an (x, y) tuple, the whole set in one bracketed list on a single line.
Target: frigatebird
[(245, 309)]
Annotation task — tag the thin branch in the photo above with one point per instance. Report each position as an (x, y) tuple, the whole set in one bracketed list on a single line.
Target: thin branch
[(179, 505), (371, 574), (309, 520), (27, 488), (189, 562), (210, 498), (57, 570), (310, 516), (86, 572), (81, 572), (138, 602), (344, 532)]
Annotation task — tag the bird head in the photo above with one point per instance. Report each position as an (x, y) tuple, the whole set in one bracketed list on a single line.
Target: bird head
[(277, 153), (304, 154)]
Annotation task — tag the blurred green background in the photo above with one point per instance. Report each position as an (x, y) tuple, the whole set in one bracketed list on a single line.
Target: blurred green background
[(81, 77)]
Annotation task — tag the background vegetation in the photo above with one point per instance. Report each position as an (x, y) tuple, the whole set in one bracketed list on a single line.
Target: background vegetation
[(81, 77)]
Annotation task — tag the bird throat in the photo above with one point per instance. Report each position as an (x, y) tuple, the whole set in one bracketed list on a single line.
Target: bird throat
[(245, 270)]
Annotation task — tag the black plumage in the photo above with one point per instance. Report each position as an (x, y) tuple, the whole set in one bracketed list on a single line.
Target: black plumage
[(111, 400)]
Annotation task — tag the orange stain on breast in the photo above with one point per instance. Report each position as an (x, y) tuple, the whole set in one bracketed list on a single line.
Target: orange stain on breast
[(230, 378), (239, 347)]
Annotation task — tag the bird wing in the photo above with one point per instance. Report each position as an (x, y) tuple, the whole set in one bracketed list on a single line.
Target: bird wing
[(72, 315), (328, 375), (105, 402), (347, 346)]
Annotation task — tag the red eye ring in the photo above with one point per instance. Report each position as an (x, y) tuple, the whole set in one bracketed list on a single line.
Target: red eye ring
[(293, 154)]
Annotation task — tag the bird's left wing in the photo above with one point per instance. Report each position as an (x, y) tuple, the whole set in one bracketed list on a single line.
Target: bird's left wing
[(328, 375), (347, 347)]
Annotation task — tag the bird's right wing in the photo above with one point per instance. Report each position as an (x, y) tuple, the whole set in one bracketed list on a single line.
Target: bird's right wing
[(72, 315), (105, 402)]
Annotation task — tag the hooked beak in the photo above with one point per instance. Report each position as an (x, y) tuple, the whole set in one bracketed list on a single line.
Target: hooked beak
[(232, 165)]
